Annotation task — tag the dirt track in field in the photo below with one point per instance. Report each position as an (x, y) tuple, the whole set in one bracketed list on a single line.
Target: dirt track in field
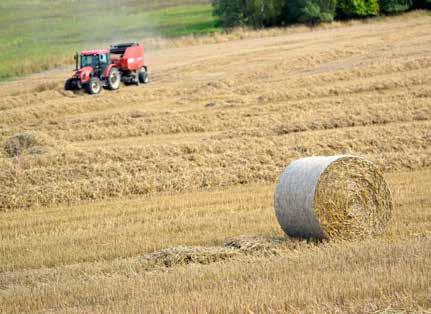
[(226, 114)]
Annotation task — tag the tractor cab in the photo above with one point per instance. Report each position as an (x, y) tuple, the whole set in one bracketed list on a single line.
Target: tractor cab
[(98, 60)]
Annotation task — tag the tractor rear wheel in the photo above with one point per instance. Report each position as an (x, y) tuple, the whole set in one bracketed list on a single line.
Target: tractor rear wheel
[(143, 76), (114, 79), (94, 86)]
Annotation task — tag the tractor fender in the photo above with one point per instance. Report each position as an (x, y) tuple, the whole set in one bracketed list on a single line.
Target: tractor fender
[(85, 74), (108, 69)]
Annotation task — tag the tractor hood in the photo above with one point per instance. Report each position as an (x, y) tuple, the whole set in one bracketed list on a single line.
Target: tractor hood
[(84, 74)]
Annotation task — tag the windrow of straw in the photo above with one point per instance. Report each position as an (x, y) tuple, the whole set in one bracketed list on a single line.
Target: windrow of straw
[(75, 174)]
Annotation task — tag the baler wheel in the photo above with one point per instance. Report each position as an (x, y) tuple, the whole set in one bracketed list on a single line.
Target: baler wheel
[(143, 76), (136, 79)]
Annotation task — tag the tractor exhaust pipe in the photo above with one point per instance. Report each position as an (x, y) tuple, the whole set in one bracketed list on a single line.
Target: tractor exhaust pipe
[(76, 57)]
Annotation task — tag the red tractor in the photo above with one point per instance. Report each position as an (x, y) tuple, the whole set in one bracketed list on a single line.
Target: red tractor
[(97, 69)]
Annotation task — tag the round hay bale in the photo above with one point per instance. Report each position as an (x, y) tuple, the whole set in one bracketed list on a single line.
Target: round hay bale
[(33, 143), (338, 197)]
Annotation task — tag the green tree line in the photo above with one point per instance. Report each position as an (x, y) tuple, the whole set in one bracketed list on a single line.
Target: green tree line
[(265, 13)]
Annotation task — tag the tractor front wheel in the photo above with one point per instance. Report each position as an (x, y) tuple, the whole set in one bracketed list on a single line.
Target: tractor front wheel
[(114, 79), (94, 86), (68, 85)]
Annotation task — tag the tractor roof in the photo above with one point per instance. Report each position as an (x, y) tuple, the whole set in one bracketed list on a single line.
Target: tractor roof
[(94, 52)]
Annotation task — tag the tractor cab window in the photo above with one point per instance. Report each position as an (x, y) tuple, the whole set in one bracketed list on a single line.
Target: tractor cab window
[(89, 61)]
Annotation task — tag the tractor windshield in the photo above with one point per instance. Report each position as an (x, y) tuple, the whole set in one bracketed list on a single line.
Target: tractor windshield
[(94, 61), (89, 61)]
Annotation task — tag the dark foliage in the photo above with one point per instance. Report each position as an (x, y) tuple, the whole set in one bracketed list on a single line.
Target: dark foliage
[(395, 6), (311, 11)]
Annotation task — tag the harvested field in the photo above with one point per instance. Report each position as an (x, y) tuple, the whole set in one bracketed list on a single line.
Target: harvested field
[(161, 197)]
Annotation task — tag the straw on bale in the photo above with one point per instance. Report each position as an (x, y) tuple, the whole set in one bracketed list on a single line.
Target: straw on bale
[(338, 197)]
